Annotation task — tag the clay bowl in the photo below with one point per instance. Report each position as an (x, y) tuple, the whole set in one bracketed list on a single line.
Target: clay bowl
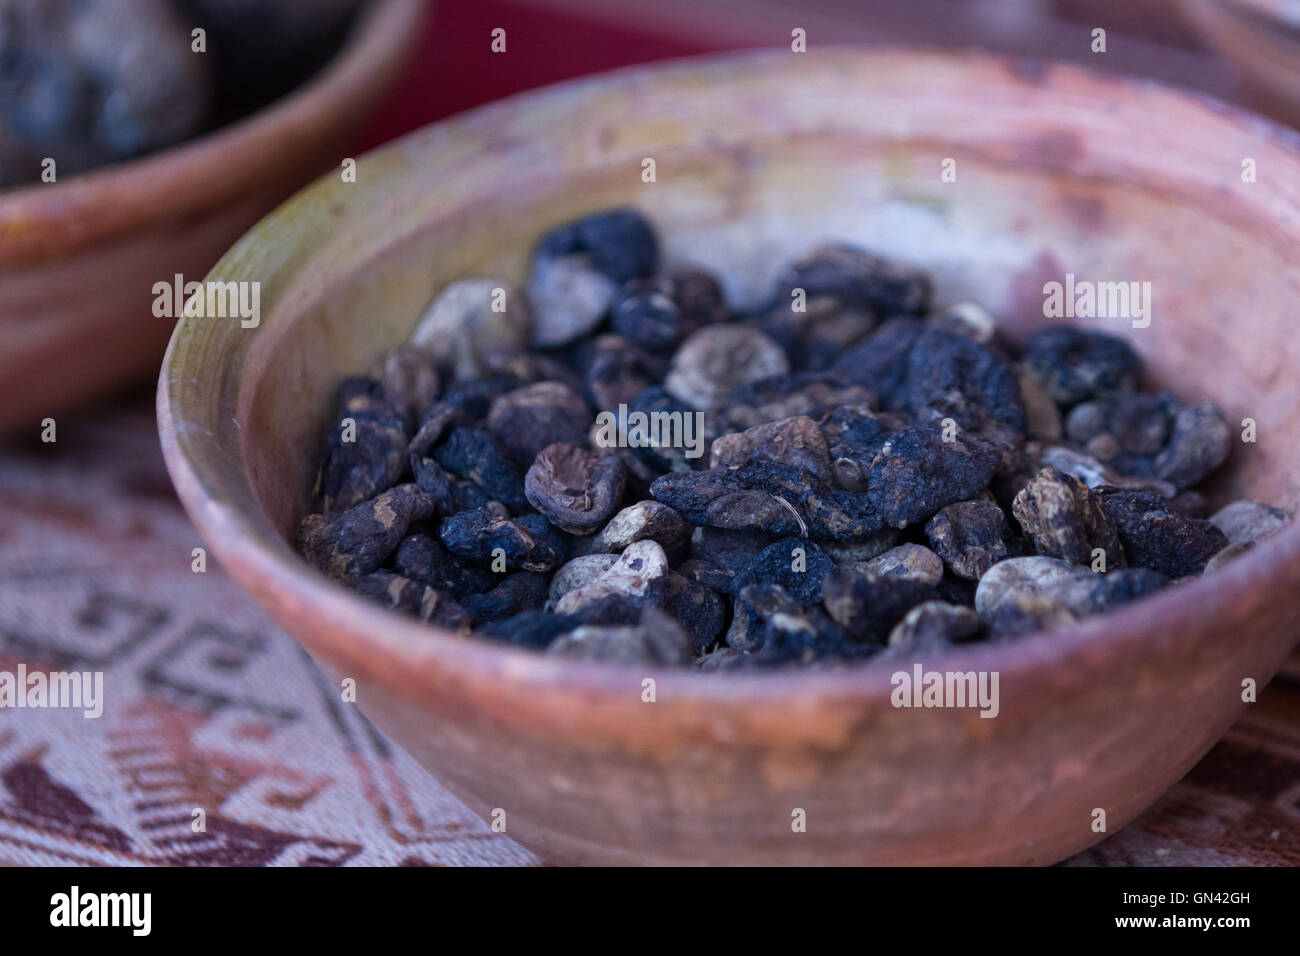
[(1262, 40), (760, 156), (79, 258)]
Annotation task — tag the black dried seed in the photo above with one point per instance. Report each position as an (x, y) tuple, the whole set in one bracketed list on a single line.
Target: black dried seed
[(620, 371), (534, 629), (796, 442), (1157, 537), (1029, 614), (648, 318), (855, 277), (763, 496), (619, 243), (728, 551), (880, 362), (1119, 587), (423, 559), (955, 376), (575, 488), (518, 592), (1064, 519), (817, 336), (481, 536), (1200, 443), (774, 628), (719, 358), (970, 536), (450, 495), (474, 398), (906, 561), (918, 473), (934, 625), (1135, 424), (652, 638), (359, 540), (365, 450), (528, 419), (645, 520), (411, 597), (475, 453), (868, 607), (796, 564), (655, 401), (1075, 365), (438, 419), (408, 378), (785, 396), (713, 578), (697, 609)]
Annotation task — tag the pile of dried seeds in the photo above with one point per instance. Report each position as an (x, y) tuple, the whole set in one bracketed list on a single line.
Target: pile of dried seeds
[(880, 478)]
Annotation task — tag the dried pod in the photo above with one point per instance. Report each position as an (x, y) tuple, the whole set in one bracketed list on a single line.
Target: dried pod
[(1158, 537), (535, 629), (654, 639), (575, 488), (970, 536), (856, 277), (475, 453), (409, 379), (411, 597), (645, 520), (773, 628), (424, 559), (359, 540), (867, 606), (913, 561), (934, 625), (528, 419), (486, 538), (468, 318), (365, 450), (796, 442), (1015, 578), (1075, 365), (518, 592), (620, 371), (719, 358), (1065, 520), (639, 578), (1249, 521), (917, 472), (1199, 443)]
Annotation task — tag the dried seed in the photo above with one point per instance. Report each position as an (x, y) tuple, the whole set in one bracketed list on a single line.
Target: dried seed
[(423, 559), (410, 597), (518, 592), (534, 629), (620, 371), (934, 625), (1199, 443), (528, 419), (719, 358), (359, 540), (481, 536), (1075, 365), (1028, 614), (475, 453), (855, 277), (917, 473), (637, 579), (578, 573), (465, 320), (1065, 520), (1249, 521), (409, 379), (796, 442), (619, 243), (797, 565), (786, 396), (569, 298), (1017, 578), (365, 450), (1157, 537), (970, 536), (774, 628), (867, 606), (697, 609), (645, 520), (648, 318), (654, 639), (575, 488), (913, 561)]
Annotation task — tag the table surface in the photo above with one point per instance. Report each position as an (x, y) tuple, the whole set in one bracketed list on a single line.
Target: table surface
[(210, 706)]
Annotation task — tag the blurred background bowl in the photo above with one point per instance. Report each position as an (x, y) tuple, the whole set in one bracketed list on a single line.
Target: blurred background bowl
[(79, 258), (760, 157), (1261, 39)]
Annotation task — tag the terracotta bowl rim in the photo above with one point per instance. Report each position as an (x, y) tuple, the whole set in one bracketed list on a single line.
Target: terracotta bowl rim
[(384, 643), (39, 219)]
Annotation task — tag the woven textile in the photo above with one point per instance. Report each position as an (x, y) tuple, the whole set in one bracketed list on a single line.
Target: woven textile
[(210, 706)]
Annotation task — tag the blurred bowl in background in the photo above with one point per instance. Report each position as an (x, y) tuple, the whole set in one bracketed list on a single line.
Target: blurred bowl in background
[(79, 258), (1261, 38)]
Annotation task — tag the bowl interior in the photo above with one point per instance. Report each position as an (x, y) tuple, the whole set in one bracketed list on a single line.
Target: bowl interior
[(1056, 173)]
